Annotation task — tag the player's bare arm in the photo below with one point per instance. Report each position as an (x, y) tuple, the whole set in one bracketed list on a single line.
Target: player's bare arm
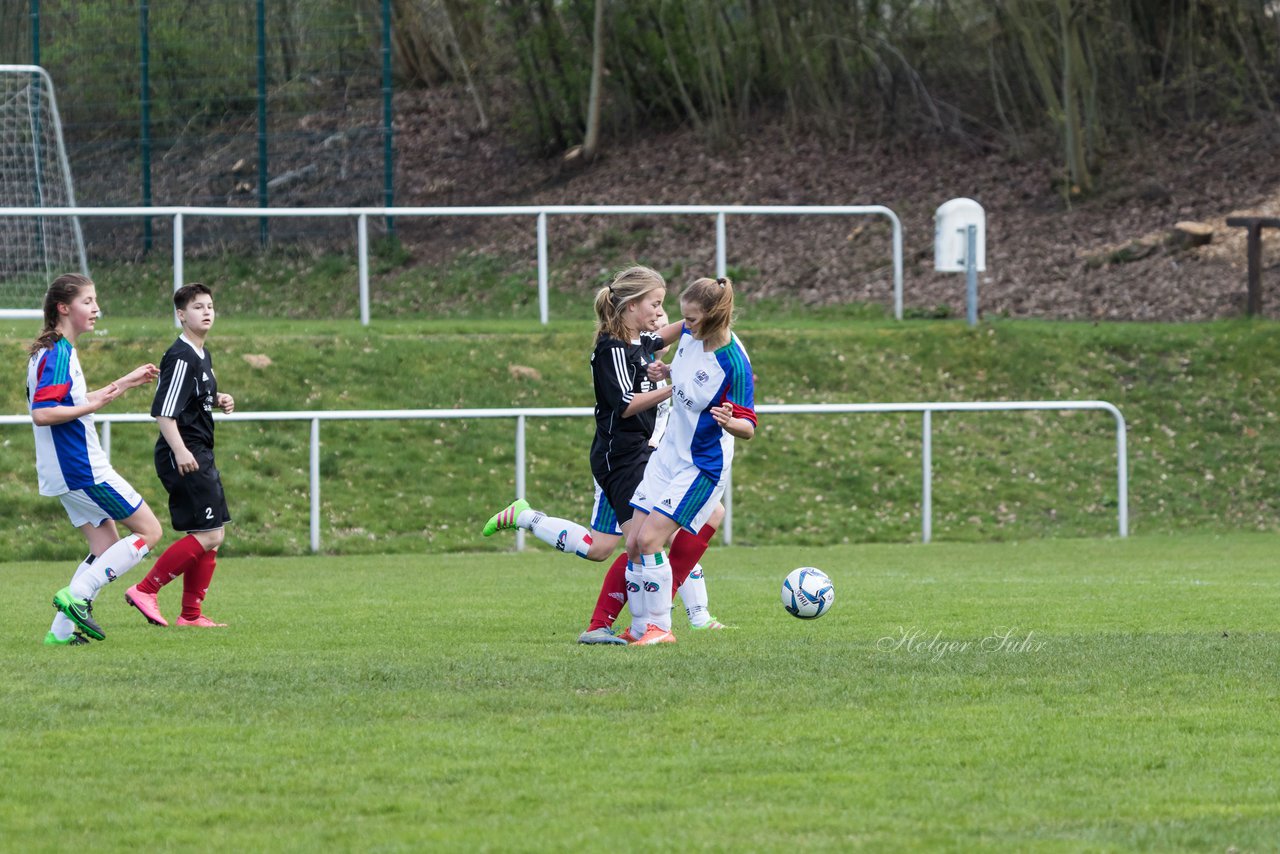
[(739, 428), (140, 375)]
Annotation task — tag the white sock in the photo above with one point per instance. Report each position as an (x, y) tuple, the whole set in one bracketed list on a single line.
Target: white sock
[(561, 534), (636, 600), (694, 595), (657, 589), (62, 627), (107, 567)]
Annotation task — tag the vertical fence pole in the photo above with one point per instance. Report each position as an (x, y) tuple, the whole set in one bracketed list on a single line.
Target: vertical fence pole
[(971, 274), (105, 439), (315, 485), (721, 252), (926, 478), (897, 268), (144, 86), (520, 439), (542, 267), (35, 32), (262, 120), (388, 149), (177, 260), (1122, 475), (362, 250)]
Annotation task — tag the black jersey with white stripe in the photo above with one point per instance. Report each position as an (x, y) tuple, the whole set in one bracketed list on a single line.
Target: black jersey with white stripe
[(186, 392), (619, 370)]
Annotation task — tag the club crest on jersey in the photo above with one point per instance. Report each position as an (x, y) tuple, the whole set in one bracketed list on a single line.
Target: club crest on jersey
[(701, 377)]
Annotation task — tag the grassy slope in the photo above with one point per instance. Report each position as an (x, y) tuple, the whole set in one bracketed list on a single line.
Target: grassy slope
[(413, 703), (1201, 402)]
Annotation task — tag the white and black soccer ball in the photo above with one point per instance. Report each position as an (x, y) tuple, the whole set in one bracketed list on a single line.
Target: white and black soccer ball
[(807, 593)]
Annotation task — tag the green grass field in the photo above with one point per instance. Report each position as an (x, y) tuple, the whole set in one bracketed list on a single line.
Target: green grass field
[(1053, 695), (1201, 403)]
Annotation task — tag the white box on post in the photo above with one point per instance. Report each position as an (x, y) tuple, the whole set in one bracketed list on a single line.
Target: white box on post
[(960, 245)]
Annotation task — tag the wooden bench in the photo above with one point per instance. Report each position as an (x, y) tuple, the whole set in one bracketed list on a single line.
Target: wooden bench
[(1255, 224)]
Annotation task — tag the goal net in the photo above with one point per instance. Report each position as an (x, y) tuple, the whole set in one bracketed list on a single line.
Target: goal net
[(34, 249)]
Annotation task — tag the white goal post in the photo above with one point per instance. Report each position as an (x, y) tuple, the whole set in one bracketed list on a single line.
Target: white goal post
[(34, 173)]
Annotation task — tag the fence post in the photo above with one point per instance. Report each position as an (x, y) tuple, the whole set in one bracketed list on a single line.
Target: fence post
[(1122, 473), (105, 439), (144, 86), (388, 119), (520, 438), (542, 267), (926, 478), (315, 485), (263, 222), (721, 251), (177, 260), (362, 250)]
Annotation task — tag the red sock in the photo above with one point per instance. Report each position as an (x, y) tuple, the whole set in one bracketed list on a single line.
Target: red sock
[(196, 583), (613, 594), (686, 550), (176, 560)]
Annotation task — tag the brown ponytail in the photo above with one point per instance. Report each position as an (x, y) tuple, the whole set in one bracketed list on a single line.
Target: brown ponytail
[(630, 284), (715, 298), (62, 291)]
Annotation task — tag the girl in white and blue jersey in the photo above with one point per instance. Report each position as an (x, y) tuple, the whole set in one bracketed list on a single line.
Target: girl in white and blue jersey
[(712, 404), (70, 463)]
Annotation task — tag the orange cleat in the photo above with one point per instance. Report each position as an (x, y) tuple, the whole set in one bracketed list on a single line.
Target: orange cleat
[(653, 634), (202, 622)]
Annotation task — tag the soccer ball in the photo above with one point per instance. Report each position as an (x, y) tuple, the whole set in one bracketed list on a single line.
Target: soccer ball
[(807, 593)]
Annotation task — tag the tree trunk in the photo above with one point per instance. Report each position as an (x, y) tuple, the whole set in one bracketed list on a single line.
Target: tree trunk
[(591, 143)]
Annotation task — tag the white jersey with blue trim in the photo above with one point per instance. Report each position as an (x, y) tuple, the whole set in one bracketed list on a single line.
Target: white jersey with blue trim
[(702, 380), (68, 455)]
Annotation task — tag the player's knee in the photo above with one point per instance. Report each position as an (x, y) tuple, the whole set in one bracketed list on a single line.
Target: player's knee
[(151, 531), (717, 516), (599, 551), (210, 539)]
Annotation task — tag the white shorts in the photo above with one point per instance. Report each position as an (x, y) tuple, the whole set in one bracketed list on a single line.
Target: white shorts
[(113, 498), (686, 494), (603, 519)]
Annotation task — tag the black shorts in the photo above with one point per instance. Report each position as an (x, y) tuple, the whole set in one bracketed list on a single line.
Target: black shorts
[(620, 484), (196, 500)]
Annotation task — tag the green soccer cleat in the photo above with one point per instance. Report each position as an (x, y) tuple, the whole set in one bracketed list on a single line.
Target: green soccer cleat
[(505, 518), (604, 635), (76, 639), (79, 612)]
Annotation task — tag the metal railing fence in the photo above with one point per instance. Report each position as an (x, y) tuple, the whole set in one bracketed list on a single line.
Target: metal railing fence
[(541, 212), (926, 411)]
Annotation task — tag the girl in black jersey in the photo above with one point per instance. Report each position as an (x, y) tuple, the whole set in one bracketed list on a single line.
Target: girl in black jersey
[(183, 408), (626, 402), (627, 313)]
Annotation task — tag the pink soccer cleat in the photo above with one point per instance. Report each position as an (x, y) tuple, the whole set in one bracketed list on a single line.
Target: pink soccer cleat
[(654, 635), (202, 622), (627, 635), (146, 605)]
